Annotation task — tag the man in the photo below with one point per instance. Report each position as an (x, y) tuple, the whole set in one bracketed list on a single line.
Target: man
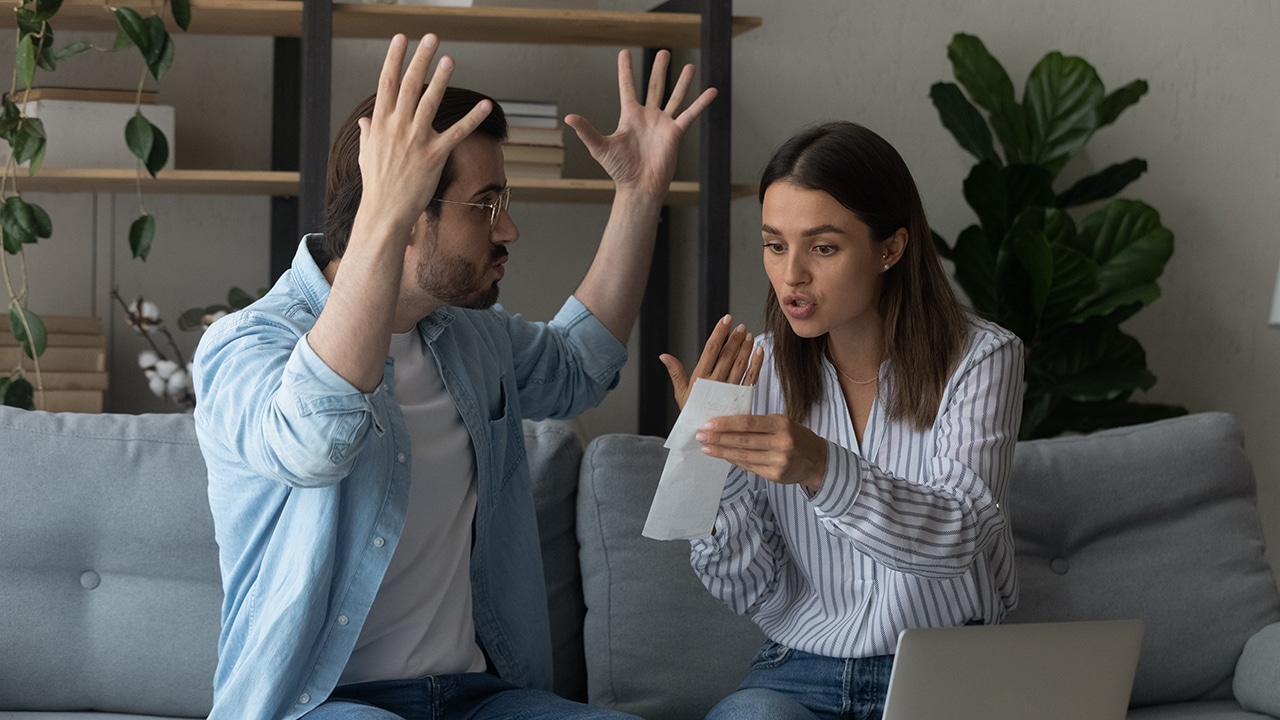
[(378, 542)]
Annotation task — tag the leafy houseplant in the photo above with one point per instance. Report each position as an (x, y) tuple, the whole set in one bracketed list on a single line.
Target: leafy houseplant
[(22, 222), (1064, 287)]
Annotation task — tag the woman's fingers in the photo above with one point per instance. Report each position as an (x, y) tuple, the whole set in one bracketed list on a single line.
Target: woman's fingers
[(679, 379)]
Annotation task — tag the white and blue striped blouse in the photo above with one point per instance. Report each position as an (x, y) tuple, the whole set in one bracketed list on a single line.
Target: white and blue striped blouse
[(909, 529)]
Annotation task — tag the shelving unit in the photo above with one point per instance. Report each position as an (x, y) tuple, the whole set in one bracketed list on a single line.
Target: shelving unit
[(304, 30)]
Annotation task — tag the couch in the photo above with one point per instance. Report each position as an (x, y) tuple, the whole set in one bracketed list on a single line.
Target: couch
[(109, 587)]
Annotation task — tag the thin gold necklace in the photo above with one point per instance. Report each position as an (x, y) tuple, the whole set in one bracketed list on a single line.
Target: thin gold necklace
[(836, 365)]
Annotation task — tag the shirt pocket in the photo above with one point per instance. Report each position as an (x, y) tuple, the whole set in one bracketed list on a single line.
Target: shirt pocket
[(506, 441)]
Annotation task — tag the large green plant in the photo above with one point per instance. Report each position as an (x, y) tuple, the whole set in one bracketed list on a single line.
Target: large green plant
[(22, 222), (1064, 287)]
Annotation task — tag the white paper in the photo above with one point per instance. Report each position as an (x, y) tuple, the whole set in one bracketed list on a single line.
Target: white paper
[(688, 496)]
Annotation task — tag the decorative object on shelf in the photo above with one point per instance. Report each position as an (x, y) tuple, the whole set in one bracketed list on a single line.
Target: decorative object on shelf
[(82, 126), (168, 373), (22, 222), (1063, 286)]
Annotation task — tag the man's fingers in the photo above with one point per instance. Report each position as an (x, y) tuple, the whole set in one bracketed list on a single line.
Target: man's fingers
[(587, 132), (460, 130), (431, 97), (626, 83), (389, 78), (679, 91), (416, 74), (691, 113), (657, 79)]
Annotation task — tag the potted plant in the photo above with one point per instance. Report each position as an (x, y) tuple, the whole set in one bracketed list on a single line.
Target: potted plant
[(1063, 285), (22, 222)]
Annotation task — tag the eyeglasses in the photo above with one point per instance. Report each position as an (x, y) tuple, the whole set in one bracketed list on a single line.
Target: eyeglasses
[(495, 208)]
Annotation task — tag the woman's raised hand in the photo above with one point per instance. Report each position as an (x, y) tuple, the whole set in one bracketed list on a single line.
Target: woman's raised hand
[(727, 357)]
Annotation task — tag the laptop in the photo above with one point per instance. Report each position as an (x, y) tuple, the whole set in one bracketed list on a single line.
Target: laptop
[(1032, 671)]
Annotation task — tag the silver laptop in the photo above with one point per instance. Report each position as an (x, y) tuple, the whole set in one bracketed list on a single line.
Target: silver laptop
[(1032, 671)]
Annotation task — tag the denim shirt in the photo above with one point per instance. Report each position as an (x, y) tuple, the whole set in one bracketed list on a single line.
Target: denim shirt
[(309, 484)]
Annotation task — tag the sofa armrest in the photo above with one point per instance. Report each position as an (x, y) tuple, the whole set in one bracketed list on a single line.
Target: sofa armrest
[(1255, 682)]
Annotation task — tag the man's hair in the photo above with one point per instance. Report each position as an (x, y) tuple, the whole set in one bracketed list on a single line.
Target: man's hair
[(925, 327), (344, 187)]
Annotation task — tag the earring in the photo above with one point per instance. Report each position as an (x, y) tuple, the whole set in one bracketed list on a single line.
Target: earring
[(886, 266)]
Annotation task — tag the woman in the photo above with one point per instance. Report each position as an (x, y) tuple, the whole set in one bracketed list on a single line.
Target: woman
[(866, 488)]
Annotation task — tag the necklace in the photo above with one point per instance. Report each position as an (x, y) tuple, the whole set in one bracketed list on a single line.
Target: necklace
[(846, 375)]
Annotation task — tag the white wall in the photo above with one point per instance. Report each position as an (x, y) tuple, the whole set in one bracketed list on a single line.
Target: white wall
[(1207, 129)]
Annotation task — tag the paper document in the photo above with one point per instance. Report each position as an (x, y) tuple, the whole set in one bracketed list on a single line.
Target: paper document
[(688, 496)]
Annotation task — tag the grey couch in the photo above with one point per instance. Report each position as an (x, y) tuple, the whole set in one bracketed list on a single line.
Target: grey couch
[(109, 588)]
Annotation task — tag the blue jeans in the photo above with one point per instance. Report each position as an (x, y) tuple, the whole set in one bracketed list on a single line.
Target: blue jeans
[(788, 684), (470, 696)]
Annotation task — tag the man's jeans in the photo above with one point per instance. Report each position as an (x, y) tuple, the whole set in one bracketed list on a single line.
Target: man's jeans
[(787, 684), (470, 696)]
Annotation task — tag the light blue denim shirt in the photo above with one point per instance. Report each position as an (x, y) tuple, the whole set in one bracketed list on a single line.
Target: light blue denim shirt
[(309, 483)]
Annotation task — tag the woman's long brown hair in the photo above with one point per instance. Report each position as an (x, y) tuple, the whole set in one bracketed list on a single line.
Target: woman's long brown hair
[(925, 326)]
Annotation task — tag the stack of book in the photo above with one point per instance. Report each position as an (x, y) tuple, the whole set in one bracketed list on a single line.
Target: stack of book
[(72, 368), (535, 139)]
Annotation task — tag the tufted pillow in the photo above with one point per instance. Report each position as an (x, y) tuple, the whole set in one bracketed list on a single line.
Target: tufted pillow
[(1157, 522)]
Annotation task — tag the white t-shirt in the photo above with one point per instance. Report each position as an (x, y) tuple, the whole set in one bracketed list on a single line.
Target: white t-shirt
[(420, 623)]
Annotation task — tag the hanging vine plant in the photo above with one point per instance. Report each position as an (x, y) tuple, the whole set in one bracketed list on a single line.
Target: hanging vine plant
[(24, 223)]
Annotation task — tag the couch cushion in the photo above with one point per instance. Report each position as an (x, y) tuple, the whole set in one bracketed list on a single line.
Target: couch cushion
[(658, 645), (1211, 710), (1157, 522), (554, 455), (109, 584)]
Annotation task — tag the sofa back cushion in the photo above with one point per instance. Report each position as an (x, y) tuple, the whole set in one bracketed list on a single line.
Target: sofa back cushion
[(1157, 522), (109, 584), (554, 455), (657, 644)]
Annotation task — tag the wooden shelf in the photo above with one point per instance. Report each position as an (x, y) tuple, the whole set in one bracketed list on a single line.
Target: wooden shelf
[(283, 18), (261, 182)]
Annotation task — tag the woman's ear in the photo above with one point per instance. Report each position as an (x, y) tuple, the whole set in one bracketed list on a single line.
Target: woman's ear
[(892, 248)]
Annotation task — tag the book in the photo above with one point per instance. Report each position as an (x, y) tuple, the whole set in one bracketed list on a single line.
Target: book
[(532, 170), (56, 359), (532, 121), (131, 97), (63, 324), (524, 135), (533, 154), (58, 340), (532, 108)]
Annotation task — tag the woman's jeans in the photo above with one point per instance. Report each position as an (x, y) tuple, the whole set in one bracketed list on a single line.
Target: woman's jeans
[(788, 684)]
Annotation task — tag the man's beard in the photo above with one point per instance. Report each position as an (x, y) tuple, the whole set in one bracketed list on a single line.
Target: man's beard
[(454, 281)]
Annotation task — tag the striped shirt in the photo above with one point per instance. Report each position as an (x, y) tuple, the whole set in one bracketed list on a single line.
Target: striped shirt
[(909, 528)]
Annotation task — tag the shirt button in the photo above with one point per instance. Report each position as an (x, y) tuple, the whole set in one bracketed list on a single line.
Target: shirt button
[(400, 457), (342, 620), (379, 542), (304, 699)]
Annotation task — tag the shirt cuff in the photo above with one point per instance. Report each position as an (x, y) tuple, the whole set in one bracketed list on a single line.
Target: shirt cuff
[(601, 353), (315, 388), (841, 482)]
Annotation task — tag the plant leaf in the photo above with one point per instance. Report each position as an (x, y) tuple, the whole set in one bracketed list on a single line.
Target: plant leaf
[(18, 220), (990, 87), (191, 318), (1075, 277), (33, 345), (43, 224), (1036, 257), (141, 233), (1062, 102), (1103, 184), (1027, 186), (20, 394), (238, 298), (159, 151), (12, 245), (984, 190), (181, 12), (976, 270), (74, 49), (45, 59), (28, 140), (164, 60), (45, 9), (964, 121), (132, 25), (940, 244), (1119, 100), (10, 119), (122, 41), (1094, 362), (139, 136), (25, 62)]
